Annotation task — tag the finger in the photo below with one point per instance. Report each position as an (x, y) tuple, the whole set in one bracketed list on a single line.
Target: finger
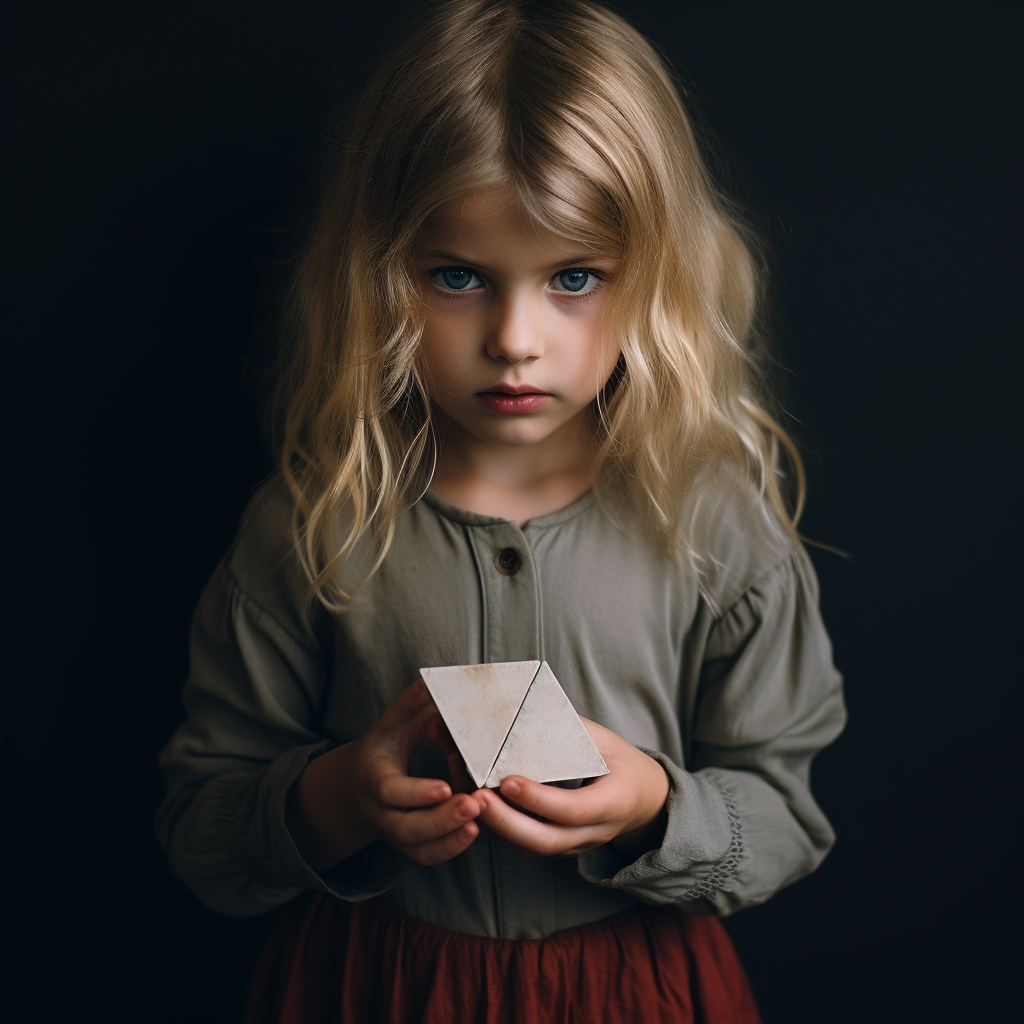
[(387, 783), (461, 781), (587, 805), (408, 828), (540, 838), (438, 851), (603, 738), (406, 706), (421, 730), (438, 734), (437, 731)]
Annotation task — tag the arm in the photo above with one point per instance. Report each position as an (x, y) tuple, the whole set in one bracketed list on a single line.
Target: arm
[(260, 805), (252, 695), (742, 823)]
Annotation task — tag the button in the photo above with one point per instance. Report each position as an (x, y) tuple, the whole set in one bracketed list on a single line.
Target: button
[(508, 561)]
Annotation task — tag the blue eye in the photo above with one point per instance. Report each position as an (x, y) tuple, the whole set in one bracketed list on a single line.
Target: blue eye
[(577, 282), (455, 279)]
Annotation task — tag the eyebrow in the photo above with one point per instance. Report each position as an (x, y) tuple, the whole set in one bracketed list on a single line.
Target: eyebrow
[(573, 260)]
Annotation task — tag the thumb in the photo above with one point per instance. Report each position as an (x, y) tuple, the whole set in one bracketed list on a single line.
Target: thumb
[(406, 706)]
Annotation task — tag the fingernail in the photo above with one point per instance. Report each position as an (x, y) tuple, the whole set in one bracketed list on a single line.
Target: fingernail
[(511, 787), (432, 730)]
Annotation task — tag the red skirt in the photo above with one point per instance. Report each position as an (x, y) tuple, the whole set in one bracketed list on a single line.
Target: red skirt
[(332, 962)]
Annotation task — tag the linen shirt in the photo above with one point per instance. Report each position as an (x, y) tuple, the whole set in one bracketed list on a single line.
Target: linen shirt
[(720, 669)]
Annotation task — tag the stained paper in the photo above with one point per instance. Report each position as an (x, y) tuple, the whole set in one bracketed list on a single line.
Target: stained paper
[(513, 718)]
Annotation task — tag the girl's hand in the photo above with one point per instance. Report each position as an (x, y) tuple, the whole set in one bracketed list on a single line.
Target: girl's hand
[(625, 807), (362, 791)]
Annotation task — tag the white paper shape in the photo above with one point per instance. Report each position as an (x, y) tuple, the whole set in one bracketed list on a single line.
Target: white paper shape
[(479, 703), (547, 741), (513, 718)]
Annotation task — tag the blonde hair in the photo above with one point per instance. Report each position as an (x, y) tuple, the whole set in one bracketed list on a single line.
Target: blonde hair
[(570, 108)]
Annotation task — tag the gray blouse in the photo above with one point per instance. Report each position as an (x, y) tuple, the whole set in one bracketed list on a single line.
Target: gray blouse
[(724, 675)]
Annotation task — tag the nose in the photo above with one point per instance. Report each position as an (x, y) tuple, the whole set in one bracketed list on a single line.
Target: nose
[(515, 335)]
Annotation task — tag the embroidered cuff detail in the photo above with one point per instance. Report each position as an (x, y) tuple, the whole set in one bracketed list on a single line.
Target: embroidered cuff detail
[(729, 864), (234, 846)]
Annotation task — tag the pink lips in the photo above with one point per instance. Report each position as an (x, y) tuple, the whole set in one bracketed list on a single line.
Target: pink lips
[(513, 399)]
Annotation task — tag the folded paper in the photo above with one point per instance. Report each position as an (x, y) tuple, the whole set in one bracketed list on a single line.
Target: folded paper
[(513, 718)]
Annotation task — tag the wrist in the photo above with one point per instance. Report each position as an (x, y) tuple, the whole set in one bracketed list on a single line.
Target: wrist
[(322, 813), (649, 832)]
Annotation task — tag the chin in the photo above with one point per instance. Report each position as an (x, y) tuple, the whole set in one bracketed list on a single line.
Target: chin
[(515, 436)]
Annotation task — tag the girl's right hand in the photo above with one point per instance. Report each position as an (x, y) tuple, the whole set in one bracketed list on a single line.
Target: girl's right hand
[(345, 799)]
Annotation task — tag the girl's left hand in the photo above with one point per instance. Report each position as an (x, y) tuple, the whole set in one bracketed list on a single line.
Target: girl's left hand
[(625, 807)]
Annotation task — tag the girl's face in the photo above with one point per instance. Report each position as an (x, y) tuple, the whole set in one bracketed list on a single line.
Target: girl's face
[(512, 348)]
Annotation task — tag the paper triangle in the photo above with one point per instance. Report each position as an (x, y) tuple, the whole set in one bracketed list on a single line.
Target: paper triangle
[(479, 703), (547, 742)]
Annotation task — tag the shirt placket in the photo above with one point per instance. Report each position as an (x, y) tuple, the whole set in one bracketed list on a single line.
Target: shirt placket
[(511, 620), (512, 631)]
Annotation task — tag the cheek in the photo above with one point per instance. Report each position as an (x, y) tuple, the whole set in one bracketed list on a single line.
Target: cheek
[(608, 352), (429, 362), (596, 349), (442, 353), (598, 355)]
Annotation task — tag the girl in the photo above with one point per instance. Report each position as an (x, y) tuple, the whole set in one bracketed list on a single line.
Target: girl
[(521, 420)]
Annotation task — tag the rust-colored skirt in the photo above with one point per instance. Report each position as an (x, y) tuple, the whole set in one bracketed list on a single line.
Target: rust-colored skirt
[(332, 962)]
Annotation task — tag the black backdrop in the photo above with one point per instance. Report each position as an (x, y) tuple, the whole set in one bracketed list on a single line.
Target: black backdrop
[(162, 152)]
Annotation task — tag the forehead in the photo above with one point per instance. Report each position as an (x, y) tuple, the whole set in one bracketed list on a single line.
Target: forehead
[(484, 214), (495, 222), (485, 205)]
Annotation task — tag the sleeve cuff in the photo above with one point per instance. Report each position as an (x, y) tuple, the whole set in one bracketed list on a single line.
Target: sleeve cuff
[(251, 823), (702, 847)]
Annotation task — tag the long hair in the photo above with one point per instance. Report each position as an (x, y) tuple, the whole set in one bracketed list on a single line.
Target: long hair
[(570, 108)]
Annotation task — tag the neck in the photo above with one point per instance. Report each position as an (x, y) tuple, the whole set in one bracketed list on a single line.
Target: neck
[(514, 482)]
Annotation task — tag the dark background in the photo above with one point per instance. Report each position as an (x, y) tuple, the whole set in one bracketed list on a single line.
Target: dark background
[(162, 156)]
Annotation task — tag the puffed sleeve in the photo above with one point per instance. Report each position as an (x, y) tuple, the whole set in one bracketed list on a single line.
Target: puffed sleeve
[(253, 699), (741, 821)]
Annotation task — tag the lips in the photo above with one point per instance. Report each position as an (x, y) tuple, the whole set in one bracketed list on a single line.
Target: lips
[(513, 399), (513, 389)]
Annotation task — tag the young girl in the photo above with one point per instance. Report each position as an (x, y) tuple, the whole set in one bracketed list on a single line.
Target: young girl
[(521, 420)]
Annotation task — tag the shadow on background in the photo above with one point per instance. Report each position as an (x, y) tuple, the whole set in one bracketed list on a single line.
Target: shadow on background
[(163, 156)]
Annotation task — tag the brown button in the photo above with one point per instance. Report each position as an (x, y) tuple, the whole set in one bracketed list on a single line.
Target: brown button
[(508, 561)]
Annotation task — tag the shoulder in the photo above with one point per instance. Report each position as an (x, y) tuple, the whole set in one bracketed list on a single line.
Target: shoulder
[(737, 541), (264, 531)]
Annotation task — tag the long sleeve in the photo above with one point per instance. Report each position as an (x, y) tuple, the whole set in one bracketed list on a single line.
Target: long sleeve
[(741, 821), (253, 699)]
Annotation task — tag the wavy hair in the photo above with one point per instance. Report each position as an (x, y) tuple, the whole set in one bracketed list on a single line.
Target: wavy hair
[(571, 109)]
